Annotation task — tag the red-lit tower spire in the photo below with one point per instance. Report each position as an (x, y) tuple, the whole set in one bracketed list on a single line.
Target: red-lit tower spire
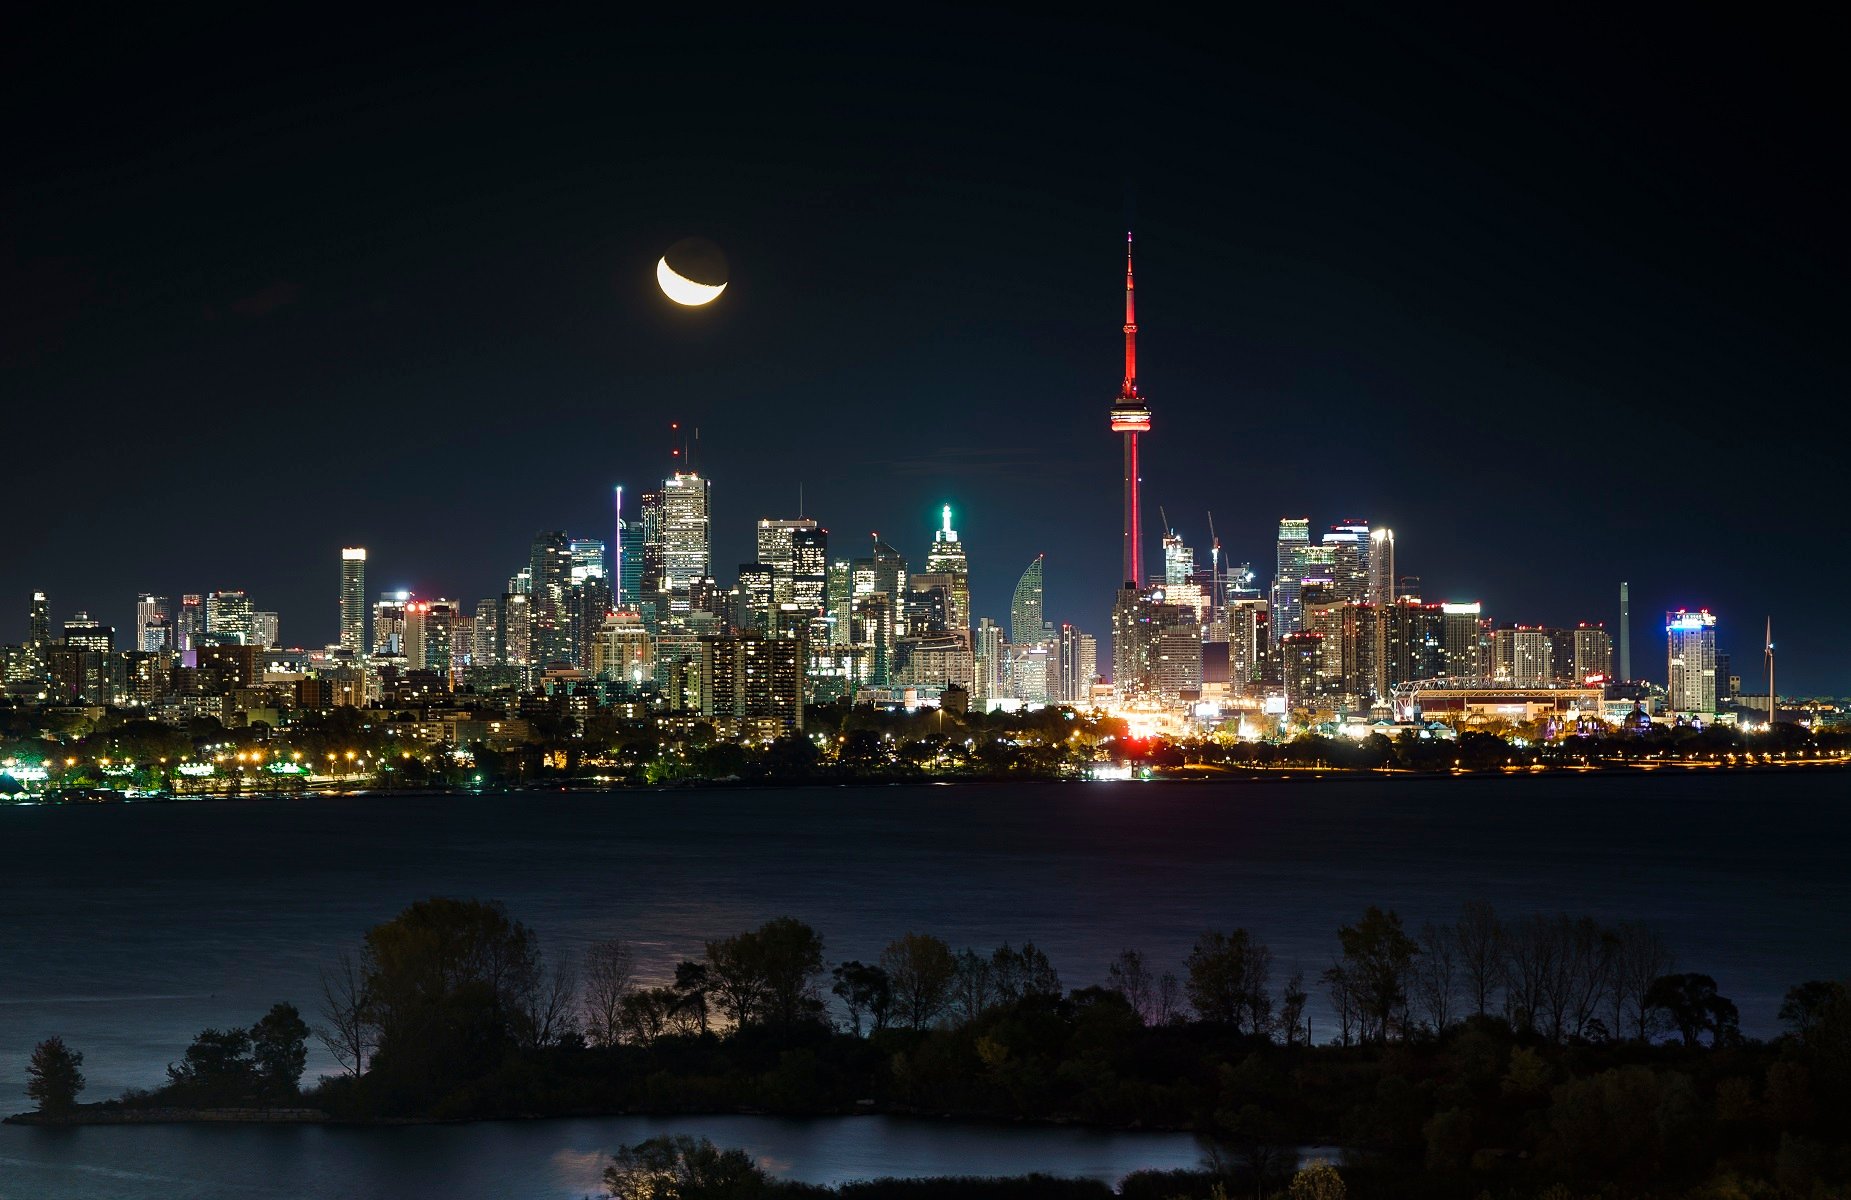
[(1130, 416)]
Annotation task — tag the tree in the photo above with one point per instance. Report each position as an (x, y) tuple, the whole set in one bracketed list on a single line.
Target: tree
[(1229, 975), (1378, 959), (864, 988), (347, 1030), (973, 990), (610, 971), (1689, 1001), (1639, 959), (548, 1004), (1806, 1005), (1293, 1025), (1130, 978), (683, 1168), (768, 976), (279, 1051), (645, 1014), (1435, 977), (691, 988), (450, 987), (1169, 999), (54, 1076), (1319, 1181), (1479, 937), (217, 1067), (921, 969), (1021, 974)]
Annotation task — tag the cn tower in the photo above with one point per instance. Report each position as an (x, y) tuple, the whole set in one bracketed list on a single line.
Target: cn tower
[(1131, 416)]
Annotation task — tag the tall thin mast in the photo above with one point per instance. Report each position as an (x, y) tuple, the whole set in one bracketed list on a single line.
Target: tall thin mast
[(1130, 388)]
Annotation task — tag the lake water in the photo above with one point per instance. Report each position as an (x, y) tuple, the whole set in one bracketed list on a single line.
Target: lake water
[(128, 928), (529, 1160)]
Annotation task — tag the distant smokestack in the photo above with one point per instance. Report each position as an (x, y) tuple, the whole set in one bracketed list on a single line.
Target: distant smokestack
[(1625, 635)]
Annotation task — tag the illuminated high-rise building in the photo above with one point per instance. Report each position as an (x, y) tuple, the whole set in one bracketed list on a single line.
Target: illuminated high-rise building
[(1130, 416), (686, 533), (1292, 555), (1593, 654), (1027, 610), (754, 599), (629, 562), (652, 571), (154, 625), (38, 621), (264, 629), (777, 549), (1178, 560), (1348, 545), (228, 617), (514, 630), (1156, 648), (1522, 657), (1459, 632), (1301, 659), (587, 559), (1249, 644), (623, 650), (389, 623), (947, 558), (991, 656), (85, 632), (486, 648), (1690, 652), (353, 600), (1079, 665), (1381, 590), (550, 571), (189, 622)]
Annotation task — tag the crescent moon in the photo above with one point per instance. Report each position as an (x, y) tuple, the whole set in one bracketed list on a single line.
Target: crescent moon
[(683, 290)]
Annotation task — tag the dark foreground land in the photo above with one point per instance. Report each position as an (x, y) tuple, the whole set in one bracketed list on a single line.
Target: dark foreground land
[(1482, 1056)]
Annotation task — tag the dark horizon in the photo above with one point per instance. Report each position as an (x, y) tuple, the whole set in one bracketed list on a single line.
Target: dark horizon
[(1560, 306)]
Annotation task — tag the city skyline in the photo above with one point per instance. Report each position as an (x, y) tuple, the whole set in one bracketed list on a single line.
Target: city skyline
[(1358, 299)]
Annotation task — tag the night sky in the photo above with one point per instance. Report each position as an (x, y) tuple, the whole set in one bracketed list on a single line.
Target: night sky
[(1564, 302)]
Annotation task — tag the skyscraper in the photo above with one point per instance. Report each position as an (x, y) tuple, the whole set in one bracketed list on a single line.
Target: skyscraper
[(687, 553), (587, 559), (550, 565), (228, 617), (1130, 416), (1178, 559), (1593, 654), (1348, 545), (154, 630), (990, 659), (629, 563), (1079, 663), (1027, 619), (1459, 639), (1291, 551), (777, 549), (1156, 648), (353, 600), (38, 621), (947, 558), (1381, 590), (189, 622), (1690, 652)]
